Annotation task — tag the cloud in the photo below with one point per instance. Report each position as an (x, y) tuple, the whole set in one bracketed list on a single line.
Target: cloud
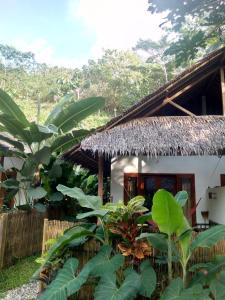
[(44, 53), (116, 23)]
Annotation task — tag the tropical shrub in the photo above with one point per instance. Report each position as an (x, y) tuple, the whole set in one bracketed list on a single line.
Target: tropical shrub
[(176, 236), (34, 143), (123, 279), (122, 268)]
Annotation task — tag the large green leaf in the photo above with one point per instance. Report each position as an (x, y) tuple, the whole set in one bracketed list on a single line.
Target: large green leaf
[(206, 272), (103, 263), (148, 279), (12, 142), (69, 117), (87, 201), (57, 196), (36, 193), (175, 291), (55, 171), (40, 133), (34, 160), (68, 140), (58, 108), (66, 282), (29, 167), (217, 287), (10, 108), (15, 128), (166, 212), (209, 237), (10, 184), (157, 240), (182, 198), (144, 218), (77, 233), (42, 156), (97, 213), (108, 289), (2, 128)]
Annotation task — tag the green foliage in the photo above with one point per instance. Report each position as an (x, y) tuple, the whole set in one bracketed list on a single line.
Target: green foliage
[(122, 77), (176, 291), (182, 197), (166, 212), (119, 224), (87, 201), (209, 237), (71, 115), (8, 107), (18, 274), (40, 141), (108, 289), (168, 215), (77, 234), (65, 283), (198, 25), (148, 279)]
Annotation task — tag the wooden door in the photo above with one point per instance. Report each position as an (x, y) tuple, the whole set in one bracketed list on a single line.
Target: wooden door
[(147, 184)]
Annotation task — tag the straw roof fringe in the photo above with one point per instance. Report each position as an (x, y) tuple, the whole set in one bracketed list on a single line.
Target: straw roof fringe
[(161, 136)]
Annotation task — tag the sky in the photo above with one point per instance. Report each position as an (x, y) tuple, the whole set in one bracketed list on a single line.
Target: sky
[(69, 32)]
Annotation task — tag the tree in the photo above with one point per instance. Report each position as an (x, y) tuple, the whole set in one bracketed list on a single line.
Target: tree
[(155, 54), (208, 16), (34, 143), (121, 77)]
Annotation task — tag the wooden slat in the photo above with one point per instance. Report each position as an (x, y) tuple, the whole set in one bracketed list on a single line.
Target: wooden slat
[(222, 82), (100, 176), (188, 112), (3, 236), (179, 93)]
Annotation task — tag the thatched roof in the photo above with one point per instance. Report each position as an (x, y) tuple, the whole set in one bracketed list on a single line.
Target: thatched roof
[(205, 69), (158, 136)]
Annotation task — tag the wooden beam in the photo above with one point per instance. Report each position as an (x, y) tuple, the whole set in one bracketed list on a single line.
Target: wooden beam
[(188, 112), (100, 176), (131, 113), (2, 192), (222, 82), (179, 93), (204, 106)]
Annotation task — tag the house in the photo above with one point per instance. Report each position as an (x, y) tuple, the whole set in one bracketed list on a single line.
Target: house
[(172, 139)]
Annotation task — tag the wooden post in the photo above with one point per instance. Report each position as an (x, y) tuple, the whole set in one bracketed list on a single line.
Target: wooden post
[(100, 176), (204, 108), (2, 193), (44, 235), (222, 80), (3, 234)]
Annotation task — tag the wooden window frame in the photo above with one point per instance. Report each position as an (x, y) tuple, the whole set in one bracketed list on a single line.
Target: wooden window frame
[(179, 177), (222, 179)]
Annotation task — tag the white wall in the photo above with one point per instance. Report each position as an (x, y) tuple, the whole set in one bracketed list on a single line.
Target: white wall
[(207, 170), (15, 162), (216, 205)]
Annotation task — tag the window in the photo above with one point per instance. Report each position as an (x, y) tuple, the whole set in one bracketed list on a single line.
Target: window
[(147, 184)]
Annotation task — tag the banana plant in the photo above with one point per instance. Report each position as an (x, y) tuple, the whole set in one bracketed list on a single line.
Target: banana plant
[(34, 143), (168, 214)]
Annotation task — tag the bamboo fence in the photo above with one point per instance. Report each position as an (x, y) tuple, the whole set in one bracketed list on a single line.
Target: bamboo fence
[(54, 228), (21, 235)]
